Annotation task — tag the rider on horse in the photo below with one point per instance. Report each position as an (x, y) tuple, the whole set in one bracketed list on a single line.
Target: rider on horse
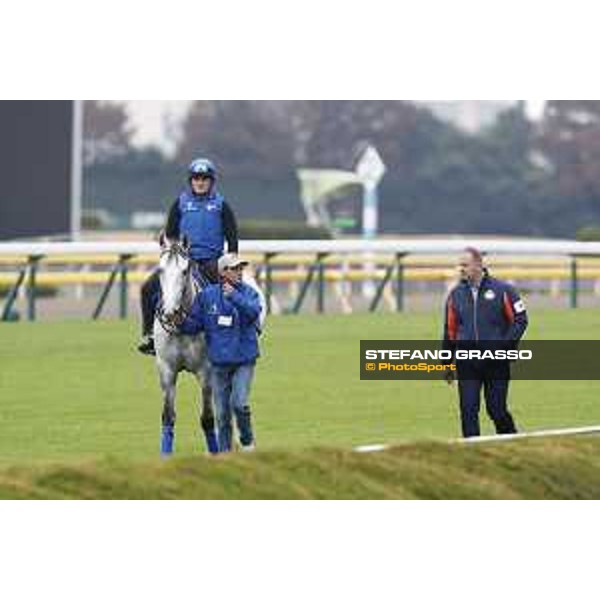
[(202, 215)]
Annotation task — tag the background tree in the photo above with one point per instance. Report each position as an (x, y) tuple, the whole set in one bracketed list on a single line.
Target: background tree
[(107, 131), (243, 138), (268, 138), (338, 129), (569, 138), (515, 177), (569, 141)]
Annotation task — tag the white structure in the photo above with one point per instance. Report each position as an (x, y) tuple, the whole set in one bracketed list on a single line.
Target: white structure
[(370, 169), (318, 187), (76, 169), (449, 245)]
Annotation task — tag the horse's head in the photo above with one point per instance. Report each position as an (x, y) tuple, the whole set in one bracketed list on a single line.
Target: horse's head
[(174, 269)]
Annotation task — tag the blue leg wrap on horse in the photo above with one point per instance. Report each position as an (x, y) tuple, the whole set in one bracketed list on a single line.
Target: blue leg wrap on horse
[(166, 441), (212, 443)]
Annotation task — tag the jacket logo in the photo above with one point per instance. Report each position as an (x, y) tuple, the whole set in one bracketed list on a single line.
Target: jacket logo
[(489, 295), (519, 306), (211, 207)]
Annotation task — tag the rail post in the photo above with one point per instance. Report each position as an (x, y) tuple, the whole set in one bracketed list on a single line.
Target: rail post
[(321, 282), (574, 283), (304, 289), (123, 286), (399, 282), (381, 287), (269, 279), (33, 262), (12, 295)]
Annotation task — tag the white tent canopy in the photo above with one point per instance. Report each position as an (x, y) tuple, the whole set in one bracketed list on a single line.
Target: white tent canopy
[(319, 186)]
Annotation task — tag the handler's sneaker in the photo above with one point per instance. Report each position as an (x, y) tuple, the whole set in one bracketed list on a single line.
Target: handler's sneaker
[(248, 448), (146, 345)]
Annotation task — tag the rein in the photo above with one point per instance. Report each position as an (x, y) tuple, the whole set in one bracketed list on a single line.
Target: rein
[(172, 323)]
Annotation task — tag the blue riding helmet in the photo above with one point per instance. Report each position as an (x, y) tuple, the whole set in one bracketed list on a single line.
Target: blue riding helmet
[(202, 166)]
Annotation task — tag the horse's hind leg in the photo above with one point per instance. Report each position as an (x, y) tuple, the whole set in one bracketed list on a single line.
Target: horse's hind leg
[(168, 381), (207, 416)]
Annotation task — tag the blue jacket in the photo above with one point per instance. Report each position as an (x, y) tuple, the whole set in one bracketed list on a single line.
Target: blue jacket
[(497, 313), (230, 323), (201, 220)]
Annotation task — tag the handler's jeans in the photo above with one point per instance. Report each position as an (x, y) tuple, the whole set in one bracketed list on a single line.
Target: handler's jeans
[(231, 386), (494, 377)]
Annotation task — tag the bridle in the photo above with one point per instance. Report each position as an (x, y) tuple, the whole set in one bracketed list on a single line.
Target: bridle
[(171, 323)]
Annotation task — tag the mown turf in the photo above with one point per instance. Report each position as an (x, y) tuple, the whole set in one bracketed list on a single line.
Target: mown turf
[(77, 390), (536, 469)]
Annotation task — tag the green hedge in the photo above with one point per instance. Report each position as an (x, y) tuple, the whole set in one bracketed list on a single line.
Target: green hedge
[(280, 230), (590, 233), (41, 291)]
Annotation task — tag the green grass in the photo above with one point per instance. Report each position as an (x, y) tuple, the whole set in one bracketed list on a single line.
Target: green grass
[(543, 469), (77, 391)]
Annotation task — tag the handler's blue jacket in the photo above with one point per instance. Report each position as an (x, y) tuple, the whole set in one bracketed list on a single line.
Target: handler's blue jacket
[(497, 313), (230, 323)]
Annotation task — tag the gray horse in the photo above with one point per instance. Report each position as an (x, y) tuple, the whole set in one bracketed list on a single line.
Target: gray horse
[(176, 352)]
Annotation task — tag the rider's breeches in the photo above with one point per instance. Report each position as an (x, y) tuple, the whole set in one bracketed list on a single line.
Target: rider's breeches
[(149, 299), (231, 386)]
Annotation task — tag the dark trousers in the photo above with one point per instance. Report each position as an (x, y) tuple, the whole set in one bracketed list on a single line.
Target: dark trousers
[(494, 379), (150, 296), (149, 301)]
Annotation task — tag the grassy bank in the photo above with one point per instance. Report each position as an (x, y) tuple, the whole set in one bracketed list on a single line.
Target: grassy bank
[(545, 469)]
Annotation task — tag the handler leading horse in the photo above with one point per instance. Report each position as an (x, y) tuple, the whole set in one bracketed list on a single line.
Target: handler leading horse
[(176, 352)]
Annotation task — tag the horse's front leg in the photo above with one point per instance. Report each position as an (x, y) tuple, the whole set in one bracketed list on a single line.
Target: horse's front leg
[(207, 415), (168, 382)]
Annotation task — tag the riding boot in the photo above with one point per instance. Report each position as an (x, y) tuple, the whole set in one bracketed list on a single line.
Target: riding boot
[(146, 345), (167, 439)]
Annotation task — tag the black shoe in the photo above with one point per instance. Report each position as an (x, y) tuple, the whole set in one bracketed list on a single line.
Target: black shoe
[(146, 345)]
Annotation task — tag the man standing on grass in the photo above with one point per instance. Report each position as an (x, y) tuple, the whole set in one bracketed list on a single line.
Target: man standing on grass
[(482, 313), (229, 315)]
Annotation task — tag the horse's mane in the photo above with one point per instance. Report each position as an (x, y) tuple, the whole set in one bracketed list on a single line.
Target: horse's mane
[(174, 247)]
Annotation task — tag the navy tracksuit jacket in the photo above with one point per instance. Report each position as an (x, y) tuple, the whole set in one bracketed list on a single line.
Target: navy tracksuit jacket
[(491, 317)]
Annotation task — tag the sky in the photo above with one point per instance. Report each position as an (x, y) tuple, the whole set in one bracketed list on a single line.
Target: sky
[(149, 116)]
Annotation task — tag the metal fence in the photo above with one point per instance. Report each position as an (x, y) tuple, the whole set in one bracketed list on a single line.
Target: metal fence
[(356, 275)]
